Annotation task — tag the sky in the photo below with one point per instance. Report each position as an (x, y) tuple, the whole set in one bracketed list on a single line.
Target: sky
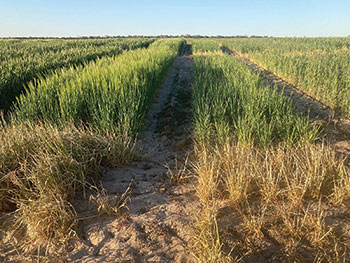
[(74, 18)]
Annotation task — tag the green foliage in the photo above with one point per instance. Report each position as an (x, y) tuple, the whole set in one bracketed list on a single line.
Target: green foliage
[(22, 61), (231, 100), (205, 45), (111, 94), (318, 66)]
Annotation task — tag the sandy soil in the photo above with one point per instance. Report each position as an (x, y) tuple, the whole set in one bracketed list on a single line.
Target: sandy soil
[(157, 227)]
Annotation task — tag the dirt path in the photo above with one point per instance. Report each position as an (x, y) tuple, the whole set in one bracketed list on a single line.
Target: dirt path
[(157, 227), (336, 130)]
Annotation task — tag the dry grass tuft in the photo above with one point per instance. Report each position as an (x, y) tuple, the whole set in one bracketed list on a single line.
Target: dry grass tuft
[(207, 245), (112, 205), (179, 172)]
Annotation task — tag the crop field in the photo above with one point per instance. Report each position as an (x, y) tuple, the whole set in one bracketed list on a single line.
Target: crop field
[(175, 150), (22, 61), (318, 66)]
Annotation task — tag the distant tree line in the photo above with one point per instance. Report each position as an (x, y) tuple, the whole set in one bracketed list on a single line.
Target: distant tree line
[(140, 36)]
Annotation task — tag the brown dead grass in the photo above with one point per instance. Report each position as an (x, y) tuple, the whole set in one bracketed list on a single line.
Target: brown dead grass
[(41, 169), (290, 204)]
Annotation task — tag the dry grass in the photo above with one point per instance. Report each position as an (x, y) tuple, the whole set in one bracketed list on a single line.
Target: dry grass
[(207, 245), (179, 172), (287, 203), (42, 168), (112, 205)]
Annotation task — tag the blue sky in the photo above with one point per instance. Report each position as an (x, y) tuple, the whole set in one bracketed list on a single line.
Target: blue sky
[(154, 17)]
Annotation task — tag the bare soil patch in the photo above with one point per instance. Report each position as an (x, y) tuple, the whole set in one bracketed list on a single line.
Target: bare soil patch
[(158, 224)]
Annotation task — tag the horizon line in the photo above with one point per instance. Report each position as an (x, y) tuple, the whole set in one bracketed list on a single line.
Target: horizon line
[(163, 36)]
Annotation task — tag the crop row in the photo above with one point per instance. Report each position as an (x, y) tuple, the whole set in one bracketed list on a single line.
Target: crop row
[(234, 102), (318, 66), (22, 61), (203, 46)]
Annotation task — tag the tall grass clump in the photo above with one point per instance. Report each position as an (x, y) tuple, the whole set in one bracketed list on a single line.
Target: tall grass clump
[(267, 192), (318, 66), (22, 61), (111, 94)]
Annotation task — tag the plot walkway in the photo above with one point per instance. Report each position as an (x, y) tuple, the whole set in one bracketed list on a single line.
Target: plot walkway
[(157, 227)]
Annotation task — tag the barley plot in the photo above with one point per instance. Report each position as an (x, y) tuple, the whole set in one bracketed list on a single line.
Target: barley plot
[(27, 60), (319, 66), (111, 94), (233, 101)]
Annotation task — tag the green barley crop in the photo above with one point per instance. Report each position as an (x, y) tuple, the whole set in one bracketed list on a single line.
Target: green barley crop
[(207, 45), (24, 60), (110, 94), (232, 103), (318, 66)]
